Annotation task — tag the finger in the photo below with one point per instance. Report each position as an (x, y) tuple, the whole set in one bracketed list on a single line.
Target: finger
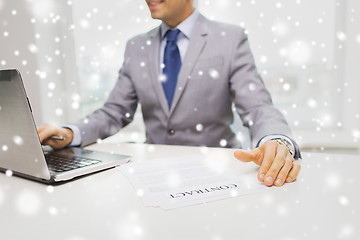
[(269, 149), (42, 128), (294, 172), (278, 163), (284, 172), (47, 132), (251, 156), (55, 144)]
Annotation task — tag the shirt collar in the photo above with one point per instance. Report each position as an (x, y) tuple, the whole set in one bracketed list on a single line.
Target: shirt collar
[(185, 26)]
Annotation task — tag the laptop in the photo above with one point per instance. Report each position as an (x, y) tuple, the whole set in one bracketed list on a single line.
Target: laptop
[(21, 152)]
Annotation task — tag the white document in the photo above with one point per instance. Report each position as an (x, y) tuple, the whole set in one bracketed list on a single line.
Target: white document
[(182, 181)]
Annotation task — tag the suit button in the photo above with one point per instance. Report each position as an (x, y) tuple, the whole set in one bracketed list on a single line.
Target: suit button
[(171, 132)]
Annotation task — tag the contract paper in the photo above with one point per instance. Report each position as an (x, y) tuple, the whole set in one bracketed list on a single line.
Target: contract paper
[(188, 180)]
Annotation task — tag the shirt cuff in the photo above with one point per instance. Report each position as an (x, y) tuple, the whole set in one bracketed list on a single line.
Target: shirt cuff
[(275, 136), (77, 139)]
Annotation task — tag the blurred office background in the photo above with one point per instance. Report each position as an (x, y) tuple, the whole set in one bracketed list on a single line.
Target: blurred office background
[(308, 52)]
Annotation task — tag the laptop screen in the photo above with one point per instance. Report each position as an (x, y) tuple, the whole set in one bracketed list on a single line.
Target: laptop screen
[(20, 148)]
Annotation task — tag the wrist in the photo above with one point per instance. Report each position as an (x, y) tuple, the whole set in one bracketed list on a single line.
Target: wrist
[(69, 135), (281, 139), (287, 144)]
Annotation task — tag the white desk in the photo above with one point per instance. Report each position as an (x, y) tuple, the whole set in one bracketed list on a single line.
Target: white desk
[(324, 203)]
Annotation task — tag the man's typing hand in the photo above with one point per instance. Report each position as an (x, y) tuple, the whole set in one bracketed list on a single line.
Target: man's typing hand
[(54, 136), (277, 165)]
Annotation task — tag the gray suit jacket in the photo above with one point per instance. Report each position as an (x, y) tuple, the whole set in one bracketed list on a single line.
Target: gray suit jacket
[(218, 70)]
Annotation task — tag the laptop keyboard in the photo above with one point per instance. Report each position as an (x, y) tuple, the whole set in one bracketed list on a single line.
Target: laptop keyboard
[(58, 163)]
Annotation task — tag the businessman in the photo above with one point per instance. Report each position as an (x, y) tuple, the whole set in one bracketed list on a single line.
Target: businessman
[(186, 74)]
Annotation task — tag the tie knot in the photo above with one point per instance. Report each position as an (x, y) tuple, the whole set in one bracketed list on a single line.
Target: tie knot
[(171, 35)]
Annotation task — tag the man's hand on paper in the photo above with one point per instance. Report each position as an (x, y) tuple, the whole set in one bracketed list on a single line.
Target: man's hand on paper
[(277, 165)]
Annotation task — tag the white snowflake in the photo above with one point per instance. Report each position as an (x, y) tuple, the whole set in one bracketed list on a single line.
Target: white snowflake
[(42, 75), (341, 36), (298, 52), (32, 48), (59, 112), (240, 136), (286, 86), (346, 231), (28, 203), (252, 87), (4, 148), (268, 199), (53, 211), (75, 105), (50, 189), (280, 28), (173, 180), (234, 193), (223, 142), (333, 180), (356, 133), (140, 192), (214, 73), (204, 150), (84, 23), (199, 127), (51, 85), (162, 78), (312, 103), (151, 148), (18, 140), (135, 136), (282, 210), (343, 200), (8, 173), (263, 59)]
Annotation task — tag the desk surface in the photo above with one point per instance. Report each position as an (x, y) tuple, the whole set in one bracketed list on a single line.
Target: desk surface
[(322, 204)]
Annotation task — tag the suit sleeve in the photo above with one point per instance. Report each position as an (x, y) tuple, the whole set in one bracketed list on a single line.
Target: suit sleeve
[(252, 100), (117, 111)]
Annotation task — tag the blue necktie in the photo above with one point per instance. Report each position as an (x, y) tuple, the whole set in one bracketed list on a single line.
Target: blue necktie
[(172, 64)]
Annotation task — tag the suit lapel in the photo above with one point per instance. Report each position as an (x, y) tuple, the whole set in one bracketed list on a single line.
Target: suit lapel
[(154, 60), (196, 45)]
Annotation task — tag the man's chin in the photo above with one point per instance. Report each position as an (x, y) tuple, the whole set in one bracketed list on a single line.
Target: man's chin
[(156, 15)]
